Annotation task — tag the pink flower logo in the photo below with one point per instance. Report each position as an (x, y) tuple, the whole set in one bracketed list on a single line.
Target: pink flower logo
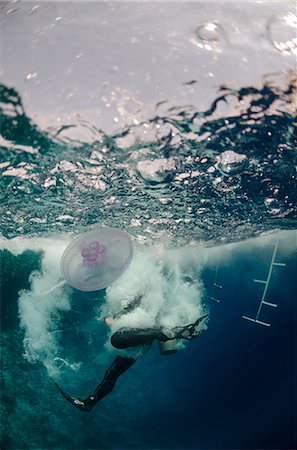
[(94, 255)]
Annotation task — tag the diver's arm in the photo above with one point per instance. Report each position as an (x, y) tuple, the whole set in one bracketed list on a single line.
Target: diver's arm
[(129, 308)]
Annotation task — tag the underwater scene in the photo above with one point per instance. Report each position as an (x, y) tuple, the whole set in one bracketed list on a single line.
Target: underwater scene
[(148, 246)]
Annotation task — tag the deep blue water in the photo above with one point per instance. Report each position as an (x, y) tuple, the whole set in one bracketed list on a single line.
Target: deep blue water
[(233, 388)]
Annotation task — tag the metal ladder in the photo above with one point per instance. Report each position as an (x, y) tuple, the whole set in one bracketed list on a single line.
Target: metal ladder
[(266, 282), (215, 284)]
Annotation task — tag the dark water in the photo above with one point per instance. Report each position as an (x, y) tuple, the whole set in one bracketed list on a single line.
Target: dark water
[(232, 388)]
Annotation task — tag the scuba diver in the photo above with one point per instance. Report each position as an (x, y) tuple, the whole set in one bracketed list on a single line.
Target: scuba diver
[(126, 338)]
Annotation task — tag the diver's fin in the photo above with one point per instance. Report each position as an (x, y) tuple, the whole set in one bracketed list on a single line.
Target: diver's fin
[(200, 320), (189, 331), (82, 405)]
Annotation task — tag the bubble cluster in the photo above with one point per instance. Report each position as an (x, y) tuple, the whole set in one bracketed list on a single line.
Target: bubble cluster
[(94, 255), (282, 33), (231, 163)]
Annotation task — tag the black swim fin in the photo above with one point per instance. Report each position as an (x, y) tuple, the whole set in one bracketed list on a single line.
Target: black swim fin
[(82, 405), (189, 331)]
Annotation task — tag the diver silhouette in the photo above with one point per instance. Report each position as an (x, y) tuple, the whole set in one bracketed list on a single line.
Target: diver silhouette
[(131, 337)]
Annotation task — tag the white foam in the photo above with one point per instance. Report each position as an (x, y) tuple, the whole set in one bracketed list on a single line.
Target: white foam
[(168, 280), (39, 307), (169, 299), (20, 244)]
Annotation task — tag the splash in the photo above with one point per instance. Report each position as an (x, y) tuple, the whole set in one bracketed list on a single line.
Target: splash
[(169, 281), (39, 310), (41, 306)]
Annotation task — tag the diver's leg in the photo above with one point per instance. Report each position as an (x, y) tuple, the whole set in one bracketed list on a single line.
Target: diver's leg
[(132, 337), (118, 366)]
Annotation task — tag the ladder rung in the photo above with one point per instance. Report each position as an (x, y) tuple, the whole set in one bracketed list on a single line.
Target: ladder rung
[(279, 264), (263, 323), (260, 281), (248, 318), (274, 305), (256, 321), (215, 299)]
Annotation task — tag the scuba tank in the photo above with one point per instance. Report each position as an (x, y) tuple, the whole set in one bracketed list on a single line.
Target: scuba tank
[(168, 347)]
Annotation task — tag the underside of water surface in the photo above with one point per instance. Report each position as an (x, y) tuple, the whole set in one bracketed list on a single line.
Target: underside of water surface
[(223, 174), (127, 116)]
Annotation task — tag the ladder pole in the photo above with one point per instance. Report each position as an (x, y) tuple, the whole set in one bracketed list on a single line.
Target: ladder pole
[(268, 279), (215, 279)]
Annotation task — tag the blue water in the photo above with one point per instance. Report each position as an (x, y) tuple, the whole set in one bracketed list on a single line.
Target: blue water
[(183, 134), (232, 388)]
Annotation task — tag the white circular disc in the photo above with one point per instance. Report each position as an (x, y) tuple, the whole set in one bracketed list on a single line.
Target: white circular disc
[(96, 259)]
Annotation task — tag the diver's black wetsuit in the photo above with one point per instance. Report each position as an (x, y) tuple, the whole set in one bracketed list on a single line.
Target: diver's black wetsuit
[(118, 366), (125, 338), (132, 337)]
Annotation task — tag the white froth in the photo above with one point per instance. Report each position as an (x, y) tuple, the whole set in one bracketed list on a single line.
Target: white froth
[(161, 276), (169, 299), (39, 307)]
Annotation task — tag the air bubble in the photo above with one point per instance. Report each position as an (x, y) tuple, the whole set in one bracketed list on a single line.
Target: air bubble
[(208, 32), (281, 33), (227, 185), (231, 163), (209, 36), (158, 170), (31, 76), (165, 200)]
